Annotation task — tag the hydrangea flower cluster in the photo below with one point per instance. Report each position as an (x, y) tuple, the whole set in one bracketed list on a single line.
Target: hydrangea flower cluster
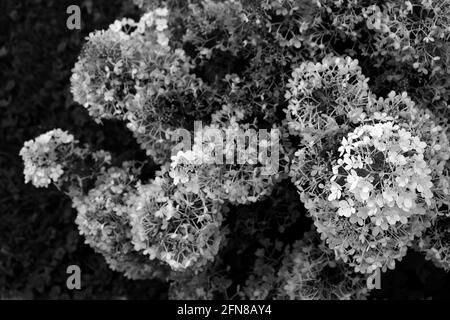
[(44, 157), (379, 187), (104, 221), (178, 227)]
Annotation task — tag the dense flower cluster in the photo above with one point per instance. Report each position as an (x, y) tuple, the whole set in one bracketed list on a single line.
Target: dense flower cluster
[(282, 88), (382, 178), (255, 226), (130, 72), (209, 17), (211, 283), (322, 95), (233, 170), (379, 187), (56, 157), (104, 221), (44, 157), (178, 227)]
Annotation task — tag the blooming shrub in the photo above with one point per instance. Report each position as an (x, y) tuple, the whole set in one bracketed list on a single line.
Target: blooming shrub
[(56, 157), (322, 95), (380, 183), (307, 270), (370, 167), (139, 78), (239, 179)]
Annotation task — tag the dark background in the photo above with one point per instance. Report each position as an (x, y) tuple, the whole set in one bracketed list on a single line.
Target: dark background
[(38, 236)]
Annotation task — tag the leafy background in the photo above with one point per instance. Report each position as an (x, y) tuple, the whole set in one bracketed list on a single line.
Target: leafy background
[(38, 236)]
